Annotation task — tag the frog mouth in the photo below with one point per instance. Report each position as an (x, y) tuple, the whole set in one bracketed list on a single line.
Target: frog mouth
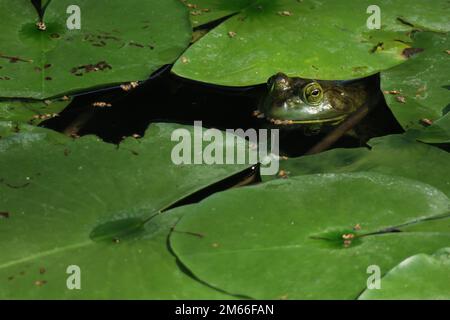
[(333, 120)]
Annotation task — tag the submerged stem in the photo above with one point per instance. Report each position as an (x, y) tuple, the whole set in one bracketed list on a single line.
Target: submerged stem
[(337, 133)]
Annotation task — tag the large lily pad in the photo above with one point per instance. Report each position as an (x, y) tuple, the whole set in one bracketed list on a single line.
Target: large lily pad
[(398, 155), (418, 91), (310, 38), (97, 206), (285, 238), (419, 277), (118, 42)]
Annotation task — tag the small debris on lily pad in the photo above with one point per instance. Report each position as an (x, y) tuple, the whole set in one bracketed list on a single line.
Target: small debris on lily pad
[(41, 26), (285, 13), (282, 174), (129, 86), (400, 99), (40, 283), (426, 122), (391, 92)]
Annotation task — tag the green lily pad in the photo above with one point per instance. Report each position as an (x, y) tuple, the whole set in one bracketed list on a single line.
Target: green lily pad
[(397, 155), (438, 132), (285, 239), (419, 277), (419, 90), (91, 204), (310, 39), (118, 42), (31, 111)]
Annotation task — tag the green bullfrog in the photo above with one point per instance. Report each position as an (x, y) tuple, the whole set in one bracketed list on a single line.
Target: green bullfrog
[(294, 102)]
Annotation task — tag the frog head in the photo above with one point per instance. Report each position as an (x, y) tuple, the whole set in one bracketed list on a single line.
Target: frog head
[(298, 101)]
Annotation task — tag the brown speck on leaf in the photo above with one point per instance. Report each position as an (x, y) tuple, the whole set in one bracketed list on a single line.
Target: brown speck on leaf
[(22, 273), (101, 104), (347, 243), (45, 116), (215, 245), (391, 92), (285, 13), (65, 98), (357, 227), (282, 174), (400, 99), (55, 36), (116, 240), (284, 297), (232, 34), (196, 12), (66, 152), (48, 102), (5, 78), (348, 236), (48, 78), (48, 65), (41, 26), (37, 69), (40, 283), (129, 86), (409, 52), (206, 10), (426, 122), (42, 270), (100, 66), (447, 51), (184, 59), (11, 278), (4, 214)]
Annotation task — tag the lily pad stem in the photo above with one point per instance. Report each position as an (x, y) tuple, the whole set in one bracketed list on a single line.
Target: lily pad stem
[(337, 133)]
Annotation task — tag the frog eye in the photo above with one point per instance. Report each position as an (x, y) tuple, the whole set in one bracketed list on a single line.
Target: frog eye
[(313, 93)]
